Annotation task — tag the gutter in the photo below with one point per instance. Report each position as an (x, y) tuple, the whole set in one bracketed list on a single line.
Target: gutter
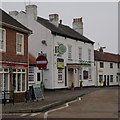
[(16, 28)]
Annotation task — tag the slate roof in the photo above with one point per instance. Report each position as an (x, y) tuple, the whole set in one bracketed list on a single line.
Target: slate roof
[(105, 56), (7, 20), (63, 30)]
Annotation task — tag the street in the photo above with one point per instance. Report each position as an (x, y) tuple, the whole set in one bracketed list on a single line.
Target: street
[(102, 103), (98, 104)]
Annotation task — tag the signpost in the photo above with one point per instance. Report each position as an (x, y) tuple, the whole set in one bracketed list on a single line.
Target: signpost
[(41, 64)]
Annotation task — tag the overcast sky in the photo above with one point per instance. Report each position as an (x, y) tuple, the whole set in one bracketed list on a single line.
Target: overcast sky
[(100, 18)]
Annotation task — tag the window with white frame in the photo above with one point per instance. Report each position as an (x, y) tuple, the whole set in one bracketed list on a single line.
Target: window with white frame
[(80, 70), (69, 52), (80, 53), (20, 44), (111, 78), (38, 76), (89, 54), (4, 79), (19, 80), (60, 75), (89, 74), (100, 78), (2, 40), (31, 74)]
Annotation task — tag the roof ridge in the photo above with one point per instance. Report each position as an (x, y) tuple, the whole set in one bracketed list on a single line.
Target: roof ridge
[(13, 19), (63, 30)]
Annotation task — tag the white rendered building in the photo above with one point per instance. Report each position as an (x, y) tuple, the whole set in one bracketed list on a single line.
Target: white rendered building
[(70, 55), (106, 68)]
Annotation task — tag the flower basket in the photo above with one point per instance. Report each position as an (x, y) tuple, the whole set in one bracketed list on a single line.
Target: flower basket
[(72, 86)]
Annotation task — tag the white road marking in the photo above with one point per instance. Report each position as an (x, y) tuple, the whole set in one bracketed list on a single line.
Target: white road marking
[(79, 98), (66, 105), (23, 115), (34, 114)]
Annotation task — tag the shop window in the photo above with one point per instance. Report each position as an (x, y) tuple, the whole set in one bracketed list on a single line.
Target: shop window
[(100, 78), (111, 65), (89, 73), (20, 44), (1, 81), (118, 65), (111, 78), (89, 54), (31, 74), (2, 40), (14, 82), (101, 65), (4, 79), (80, 74), (23, 82), (116, 78), (60, 76), (80, 53), (19, 80), (69, 52), (38, 76), (85, 74)]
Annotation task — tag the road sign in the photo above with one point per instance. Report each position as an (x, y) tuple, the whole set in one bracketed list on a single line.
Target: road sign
[(41, 62)]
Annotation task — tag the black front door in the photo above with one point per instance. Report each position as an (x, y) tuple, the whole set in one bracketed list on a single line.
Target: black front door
[(104, 80), (107, 80)]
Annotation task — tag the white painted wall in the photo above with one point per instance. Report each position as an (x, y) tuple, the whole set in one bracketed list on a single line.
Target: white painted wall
[(35, 46), (106, 71), (75, 57)]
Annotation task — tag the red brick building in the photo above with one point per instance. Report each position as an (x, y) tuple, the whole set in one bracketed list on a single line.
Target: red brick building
[(13, 56)]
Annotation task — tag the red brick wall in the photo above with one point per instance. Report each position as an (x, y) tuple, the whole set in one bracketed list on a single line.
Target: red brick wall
[(19, 97), (10, 54)]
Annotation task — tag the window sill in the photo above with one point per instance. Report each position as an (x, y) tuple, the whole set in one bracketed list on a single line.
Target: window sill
[(60, 81), (2, 51), (19, 91), (21, 54), (90, 80), (31, 81), (70, 59)]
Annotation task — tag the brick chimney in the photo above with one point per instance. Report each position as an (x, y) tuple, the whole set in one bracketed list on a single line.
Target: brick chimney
[(13, 13), (101, 49), (78, 25), (31, 11), (54, 18)]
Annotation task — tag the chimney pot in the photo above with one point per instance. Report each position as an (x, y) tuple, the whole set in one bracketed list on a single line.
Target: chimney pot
[(60, 22), (53, 18), (101, 49), (31, 11), (78, 25)]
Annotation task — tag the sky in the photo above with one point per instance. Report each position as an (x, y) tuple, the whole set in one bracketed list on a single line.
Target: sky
[(100, 19)]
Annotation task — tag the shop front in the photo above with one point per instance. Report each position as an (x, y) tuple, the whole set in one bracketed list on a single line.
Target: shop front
[(79, 72), (13, 77)]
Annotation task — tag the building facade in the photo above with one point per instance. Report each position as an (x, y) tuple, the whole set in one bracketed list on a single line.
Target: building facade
[(106, 67), (70, 54), (34, 74), (14, 56)]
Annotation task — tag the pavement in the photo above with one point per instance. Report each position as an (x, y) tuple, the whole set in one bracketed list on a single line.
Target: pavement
[(51, 100)]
